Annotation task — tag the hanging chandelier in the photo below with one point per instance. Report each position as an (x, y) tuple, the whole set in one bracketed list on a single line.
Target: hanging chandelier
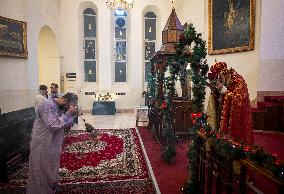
[(120, 4)]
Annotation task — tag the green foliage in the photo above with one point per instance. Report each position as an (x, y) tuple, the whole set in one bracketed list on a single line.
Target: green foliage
[(169, 153), (151, 87), (229, 149), (198, 73), (198, 64)]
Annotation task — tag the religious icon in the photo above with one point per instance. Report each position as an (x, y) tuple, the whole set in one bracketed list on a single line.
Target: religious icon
[(230, 16), (120, 50), (231, 26)]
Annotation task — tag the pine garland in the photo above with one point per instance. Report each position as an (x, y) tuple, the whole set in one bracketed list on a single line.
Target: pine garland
[(176, 64), (192, 41), (227, 147)]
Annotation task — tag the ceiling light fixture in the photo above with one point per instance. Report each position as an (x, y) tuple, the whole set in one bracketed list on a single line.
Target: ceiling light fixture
[(120, 4)]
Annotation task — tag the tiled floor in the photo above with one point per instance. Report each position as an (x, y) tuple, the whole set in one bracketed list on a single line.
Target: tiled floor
[(117, 121)]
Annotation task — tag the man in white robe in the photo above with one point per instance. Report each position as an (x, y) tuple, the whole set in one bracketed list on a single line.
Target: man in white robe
[(41, 95), (46, 143)]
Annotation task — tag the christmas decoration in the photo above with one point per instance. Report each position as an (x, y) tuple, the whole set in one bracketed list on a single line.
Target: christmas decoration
[(191, 41)]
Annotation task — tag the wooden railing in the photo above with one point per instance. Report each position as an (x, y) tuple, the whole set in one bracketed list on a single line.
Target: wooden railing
[(216, 174), (182, 110)]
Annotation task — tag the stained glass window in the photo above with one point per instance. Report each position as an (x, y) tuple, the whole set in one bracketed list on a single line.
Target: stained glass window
[(90, 71), (149, 50), (120, 44), (90, 49), (90, 45), (150, 20), (120, 71), (120, 50)]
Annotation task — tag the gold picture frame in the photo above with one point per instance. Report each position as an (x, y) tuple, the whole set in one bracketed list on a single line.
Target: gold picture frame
[(13, 38), (231, 26)]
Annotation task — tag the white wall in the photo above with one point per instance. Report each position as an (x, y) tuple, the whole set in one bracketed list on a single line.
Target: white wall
[(72, 49), (271, 59), (19, 77), (245, 63), (48, 58)]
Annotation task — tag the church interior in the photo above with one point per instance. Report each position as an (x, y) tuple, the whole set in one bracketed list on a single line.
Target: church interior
[(147, 119)]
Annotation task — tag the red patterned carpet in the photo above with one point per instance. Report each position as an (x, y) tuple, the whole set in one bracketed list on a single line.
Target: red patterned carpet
[(113, 164)]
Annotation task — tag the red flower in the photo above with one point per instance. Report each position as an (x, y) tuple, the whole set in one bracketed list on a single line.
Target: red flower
[(199, 114), (196, 115), (247, 148), (278, 162), (163, 105)]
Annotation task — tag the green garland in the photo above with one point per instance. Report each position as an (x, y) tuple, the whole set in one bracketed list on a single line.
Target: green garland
[(169, 151), (199, 69), (227, 147), (198, 64), (192, 41), (176, 64)]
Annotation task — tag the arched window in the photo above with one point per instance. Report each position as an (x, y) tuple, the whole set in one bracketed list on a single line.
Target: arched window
[(150, 39), (120, 45), (90, 35)]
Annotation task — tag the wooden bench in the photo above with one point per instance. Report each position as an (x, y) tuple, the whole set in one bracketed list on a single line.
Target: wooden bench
[(15, 134)]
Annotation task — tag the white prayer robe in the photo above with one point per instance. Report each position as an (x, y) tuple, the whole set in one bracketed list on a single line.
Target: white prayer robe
[(45, 147)]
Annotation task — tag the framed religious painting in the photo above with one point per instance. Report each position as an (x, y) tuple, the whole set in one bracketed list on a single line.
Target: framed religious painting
[(13, 38), (231, 26)]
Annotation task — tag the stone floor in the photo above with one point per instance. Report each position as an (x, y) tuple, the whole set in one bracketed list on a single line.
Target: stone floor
[(117, 121)]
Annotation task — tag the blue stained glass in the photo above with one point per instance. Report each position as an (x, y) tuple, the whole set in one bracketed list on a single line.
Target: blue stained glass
[(120, 12), (121, 50), (120, 22)]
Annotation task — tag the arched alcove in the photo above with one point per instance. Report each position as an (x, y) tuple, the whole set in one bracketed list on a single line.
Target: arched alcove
[(48, 58)]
